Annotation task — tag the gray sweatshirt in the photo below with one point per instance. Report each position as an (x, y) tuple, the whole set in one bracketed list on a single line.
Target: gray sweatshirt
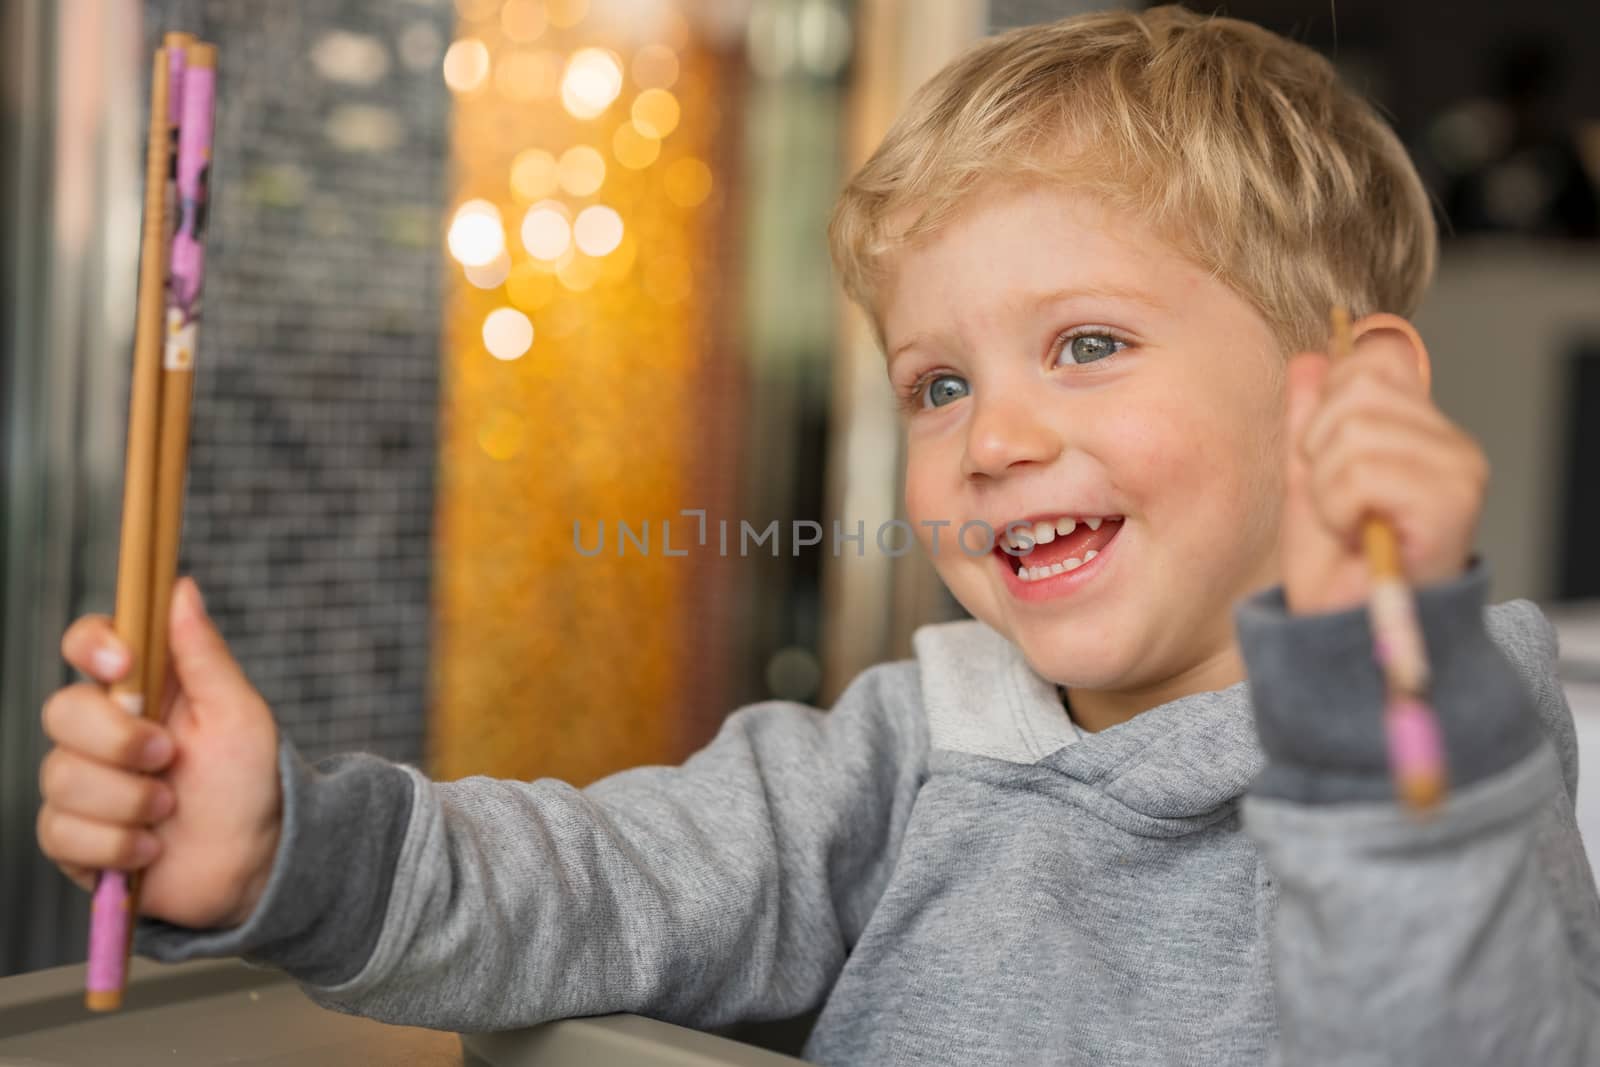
[(954, 875)]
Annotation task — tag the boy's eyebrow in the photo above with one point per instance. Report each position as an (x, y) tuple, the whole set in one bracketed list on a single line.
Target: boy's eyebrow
[(1030, 302), (1035, 301)]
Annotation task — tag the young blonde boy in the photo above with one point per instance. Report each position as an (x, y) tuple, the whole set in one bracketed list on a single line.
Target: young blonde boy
[(1136, 811)]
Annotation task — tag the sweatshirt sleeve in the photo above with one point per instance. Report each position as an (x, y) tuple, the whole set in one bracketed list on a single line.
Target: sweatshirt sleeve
[(1468, 938), (725, 890)]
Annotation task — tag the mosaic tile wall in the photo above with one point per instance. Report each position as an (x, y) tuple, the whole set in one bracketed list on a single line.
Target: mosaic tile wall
[(310, 502)]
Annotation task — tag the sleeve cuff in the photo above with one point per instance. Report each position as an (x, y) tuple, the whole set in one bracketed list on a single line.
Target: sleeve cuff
[(1318, 694), (344, 821)]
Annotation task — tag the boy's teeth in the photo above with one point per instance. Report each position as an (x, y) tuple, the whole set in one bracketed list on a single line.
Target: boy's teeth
[(1023, 539), (1033, 574)]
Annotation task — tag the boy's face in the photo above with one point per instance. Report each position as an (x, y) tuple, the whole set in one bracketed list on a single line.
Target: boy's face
[(1147, 389)]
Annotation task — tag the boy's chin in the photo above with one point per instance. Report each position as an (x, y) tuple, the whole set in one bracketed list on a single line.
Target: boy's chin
[(1063, 653), (1091, 666)]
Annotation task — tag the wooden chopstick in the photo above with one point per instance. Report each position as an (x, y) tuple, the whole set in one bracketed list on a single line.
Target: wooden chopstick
[(172, 269), (110, 917), (181, 315)]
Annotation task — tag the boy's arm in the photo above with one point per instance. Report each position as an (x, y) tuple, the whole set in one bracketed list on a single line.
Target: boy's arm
[(728, 889), (1468, 938)]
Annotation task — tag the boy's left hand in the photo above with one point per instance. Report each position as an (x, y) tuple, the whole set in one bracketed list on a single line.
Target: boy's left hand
[(1364, 437)]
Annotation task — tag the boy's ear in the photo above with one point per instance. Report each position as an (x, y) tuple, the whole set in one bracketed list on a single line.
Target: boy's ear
[(1392, 331)]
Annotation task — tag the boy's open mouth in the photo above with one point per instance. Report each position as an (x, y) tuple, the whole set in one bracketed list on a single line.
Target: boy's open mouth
[(1055, 546)]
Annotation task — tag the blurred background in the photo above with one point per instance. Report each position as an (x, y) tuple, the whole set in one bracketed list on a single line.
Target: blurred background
[(484, 269)]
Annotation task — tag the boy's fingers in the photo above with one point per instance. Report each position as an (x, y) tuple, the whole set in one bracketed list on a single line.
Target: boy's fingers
[(68, 838), (1384, 352), (205, 668), (169, 695), (82, 877), (96, 791), (1377, 441), (84, 719), (1395, 488), (1363, 406), (92, 646)]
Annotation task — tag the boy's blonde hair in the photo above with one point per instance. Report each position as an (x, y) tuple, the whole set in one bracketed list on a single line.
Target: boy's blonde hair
[(1242, 148)]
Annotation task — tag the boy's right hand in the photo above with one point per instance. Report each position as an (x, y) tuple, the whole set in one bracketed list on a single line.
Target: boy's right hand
[(194, 800)]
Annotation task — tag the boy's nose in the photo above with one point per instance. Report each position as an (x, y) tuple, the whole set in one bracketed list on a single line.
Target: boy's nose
[(1004, 434)]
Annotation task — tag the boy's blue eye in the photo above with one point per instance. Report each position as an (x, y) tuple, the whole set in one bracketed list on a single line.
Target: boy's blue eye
[(1090, 347), (937, 390), (944, 389)]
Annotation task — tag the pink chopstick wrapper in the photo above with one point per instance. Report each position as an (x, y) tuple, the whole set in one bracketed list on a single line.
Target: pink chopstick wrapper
[(186, 273), (191, 103)]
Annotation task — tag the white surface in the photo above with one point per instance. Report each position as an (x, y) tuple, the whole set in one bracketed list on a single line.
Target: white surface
[(1578, 632), (1585, 700)]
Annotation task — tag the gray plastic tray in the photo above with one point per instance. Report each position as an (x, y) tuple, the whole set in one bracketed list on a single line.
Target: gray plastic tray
[(222, 1011)]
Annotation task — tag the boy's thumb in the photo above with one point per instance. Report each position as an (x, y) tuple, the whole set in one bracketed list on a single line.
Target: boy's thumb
[(205, 667)]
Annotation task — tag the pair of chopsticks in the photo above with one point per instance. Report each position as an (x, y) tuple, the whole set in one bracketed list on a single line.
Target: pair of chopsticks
[(171, 269), (1416, 748)]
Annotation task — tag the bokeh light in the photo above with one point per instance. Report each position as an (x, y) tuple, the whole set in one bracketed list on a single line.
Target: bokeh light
[(492, 274), (419, 45), (501, 433), (522, 20), (615, 267), (553, 266), (598, 230), (534, 174), (687, 182), (582, 170), (466, 65), (655, 66), (565, 317), (477, 10), (579, 274), (353, 58), (565, 13), (476, 236), (363, 128), (655, 113), (624, 277), (546, 234), (507, 333), (593, 80), (530, 286), (823, 36), (794, 673), (526, 76), (633, 149)]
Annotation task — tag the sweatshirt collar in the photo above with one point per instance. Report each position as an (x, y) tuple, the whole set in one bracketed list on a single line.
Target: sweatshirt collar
[(1181, 759)]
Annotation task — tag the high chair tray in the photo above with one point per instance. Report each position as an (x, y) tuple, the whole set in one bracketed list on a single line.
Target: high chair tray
[(224, 1011)]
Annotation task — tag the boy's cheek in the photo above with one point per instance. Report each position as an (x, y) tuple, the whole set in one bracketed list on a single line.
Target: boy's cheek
[(926, 504)]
